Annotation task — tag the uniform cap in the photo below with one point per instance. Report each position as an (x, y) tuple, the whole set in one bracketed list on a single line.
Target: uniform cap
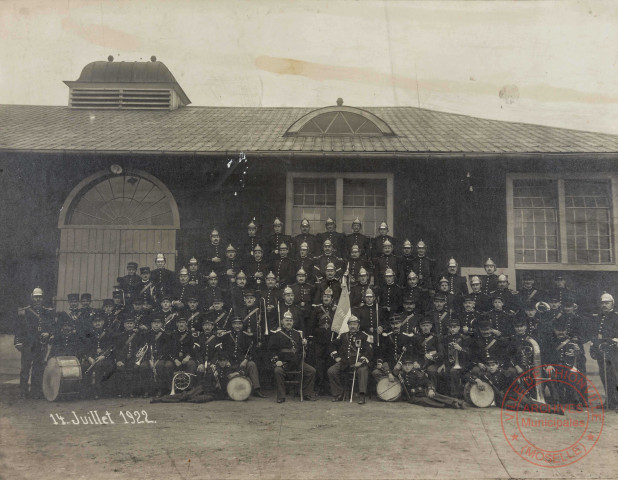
[(409, 299), (369, 291), (305, 223), (475, 279), (277, 221), (489, 359), (469, 298), (301, 271), (356, 221), (249, 292), (236, 319), (257, 247), (386, 243), (159, 256), (283, 245), (130, 318), (241, 274), (327, 242), (519, 321), (355, 248), (454, 322), (498, 296), (330, 266), (212, 274), (389, 273), (489, 261), (395, 319), (421, 244), (108, 301), (183, 271), (484, 323), (383, 225), (407, 244), (328, 291), (412, 274), (230, 248), (193, 297), (72, 297), (527, 276), (137, 300), (287, 290), (132, 265), (606, 297), (193, 261), (329, 220), (425, 320), (271, 275), (181, 319), (251, 224), (117, 294), (452, 262), (214, 232), (353, 319), (166, 297), (443, 280), (208, 320), (144, 270), (502, 278), (440, 296), (304, 246), (288, 314), (37, 292), (362, 271), (86, 296)]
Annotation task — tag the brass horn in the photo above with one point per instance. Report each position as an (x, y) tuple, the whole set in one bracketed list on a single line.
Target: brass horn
[(139, 356), (542, 307), (181, 382)]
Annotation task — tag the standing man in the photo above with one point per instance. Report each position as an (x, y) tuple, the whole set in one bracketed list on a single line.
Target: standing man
[(489, 282), (457, 284), (275, 240), (215, 253), (321, 323), (286, 347), (34, 329), (305, 237), (605, 350), (337, 239), (130, 283), (162, 278), (356, 238), (378, 242), (424, 267), (249, 243)]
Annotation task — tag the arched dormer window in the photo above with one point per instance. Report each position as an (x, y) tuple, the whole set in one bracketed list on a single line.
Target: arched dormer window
[(340, 120)]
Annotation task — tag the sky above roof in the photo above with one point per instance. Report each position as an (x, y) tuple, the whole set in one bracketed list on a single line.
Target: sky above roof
[(542, 62)]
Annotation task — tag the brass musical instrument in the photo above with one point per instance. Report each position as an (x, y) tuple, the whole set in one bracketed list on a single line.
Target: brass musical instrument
[(141, 353), (530, 356), (181, 382), (99, 359), (569, 355), (453, 355), (542, 307)]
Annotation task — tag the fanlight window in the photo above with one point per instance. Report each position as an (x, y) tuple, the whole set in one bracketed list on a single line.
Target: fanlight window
[(340, 123), (122, 200)]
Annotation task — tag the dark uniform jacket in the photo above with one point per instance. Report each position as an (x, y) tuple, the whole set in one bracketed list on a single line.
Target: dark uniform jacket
[(146, 291), (483, 347), (427, 344), (345, 348), (215, 251), (208, 295), (363, 242), (390, 298), (71, 317), (273, 243), (181, 345), (256, 272), (392, 345), (321, 322), (312, 245), (319, 266), (286, 346), (297, 314), (247, 246), (369, 318), (131, 285), (194, 321), (126, 345), (163, 279), (457, 285), (205, 348), (97, 342), (488, 283), (354, 265), (67, 345), (357, 294), (182, 292), (383, 262), (336, 238), (416, 382), (463, 357), (307, 263), (425, 269), (440, 320), (271, 298), (32, 323), (285, 271), (607, 329), (502, 321), (482, 302), (237, 346), (321, 287), (377, 244), (469, 319), (409, 322)]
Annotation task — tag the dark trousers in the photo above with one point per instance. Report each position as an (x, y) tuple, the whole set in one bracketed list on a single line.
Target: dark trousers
[(334, 376), (322, 362), (308, 379), (438, 401), (97, 381), (129, 380), (608, 368), (455, 385), (32, 359)]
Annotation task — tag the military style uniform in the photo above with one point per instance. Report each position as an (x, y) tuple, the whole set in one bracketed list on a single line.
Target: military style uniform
[(297, 314), (440, 320), (457, 285), (285, 271), (370, 319), (334, 284), (608, 364), (131, 286), (489, 283), (336, 238), (383, 263), (390, 299), (377, 244), (129, 379), (452, 358), (321, 322), (271, 297), (100, 342), (238, 346), (161, 353), (363, 242), (310, 240), (417, 386), (304, 295), (163, 280), (345, 348), (34, 329), (214, 256), (392, 346), (424, 345), (322, 261), (182, 351), (425, 269)]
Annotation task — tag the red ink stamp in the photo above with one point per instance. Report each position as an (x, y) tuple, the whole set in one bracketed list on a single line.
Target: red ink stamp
[(556, 434)]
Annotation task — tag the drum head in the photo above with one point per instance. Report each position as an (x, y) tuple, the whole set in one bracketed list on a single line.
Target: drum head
[(481, 398), (239, 388), (387, 390), (52, 377)]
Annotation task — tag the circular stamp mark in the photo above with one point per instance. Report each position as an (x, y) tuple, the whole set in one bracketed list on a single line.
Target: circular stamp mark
[(558, 434)]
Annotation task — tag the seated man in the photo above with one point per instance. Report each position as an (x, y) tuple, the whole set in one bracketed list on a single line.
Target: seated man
[(394, 345), (287, 352), (351, 350), (129, 379), (419, 389), (158, 359), (456, 359), (238, 346), (428, 350), (97, 365), (182, 348)]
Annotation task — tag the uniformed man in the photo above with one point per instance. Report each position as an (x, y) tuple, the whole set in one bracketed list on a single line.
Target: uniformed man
[(159, 358), (529, 293), (391, 295), (238, 346), (321, 323), (357, 292), (286, 348), (393, 346), (604, 349), (287, 304), (33, 332), (451, 299), (328, 257), (215, 253), (305, 237), (427, 349), (162, 278), (355, 262), (413, 289), (194, 316), (251, 314), (182, 348), (213, 290), (456, 360), (337, 239), (247, 247), (86, 311), (510, 297), (283, 267), (440, 315), (384, 262), (468, 317), (205, 348), (257, 268), (276, 239), (424, 267), (304, 295), (271, 294), (457, 285), (406, 261), (356, 238), (501, 321), (371, 319), (410, 316), (237, 292), (72, 315), (576, 330), (489, 281), (351, 350), (196, 277), (218, 315), (168, 314), (129, 379), (113, 323), (306, 262), (146, 290), (232, 264), (487, 345), (561, 290), (482, 301), (377, 243), (66, 342), (98, 362), (182, 290), (329, 280), (131, 282)]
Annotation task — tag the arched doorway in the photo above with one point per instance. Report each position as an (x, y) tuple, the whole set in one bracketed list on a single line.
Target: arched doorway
[(108, 220)]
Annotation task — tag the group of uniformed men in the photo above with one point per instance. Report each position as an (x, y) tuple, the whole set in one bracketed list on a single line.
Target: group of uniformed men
[(266, 307)]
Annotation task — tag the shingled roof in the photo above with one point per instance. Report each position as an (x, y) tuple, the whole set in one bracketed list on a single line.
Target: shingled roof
[(233, 129)]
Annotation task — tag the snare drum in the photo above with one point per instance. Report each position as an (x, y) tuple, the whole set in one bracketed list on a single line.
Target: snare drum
[(388, 391), (62, 377), (239, 388), (477, 397)]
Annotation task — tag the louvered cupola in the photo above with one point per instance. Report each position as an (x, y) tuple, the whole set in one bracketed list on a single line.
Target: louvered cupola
[(126, 85)]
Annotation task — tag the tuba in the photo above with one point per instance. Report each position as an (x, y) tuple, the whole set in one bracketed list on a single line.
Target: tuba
[(533, 352)]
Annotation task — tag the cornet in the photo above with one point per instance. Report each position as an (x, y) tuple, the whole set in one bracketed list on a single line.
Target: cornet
[(139, 356)]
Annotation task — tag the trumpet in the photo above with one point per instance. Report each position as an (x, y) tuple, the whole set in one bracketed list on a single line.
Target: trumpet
[(181, 382), (453, 355), (141, 353), (542, 307)]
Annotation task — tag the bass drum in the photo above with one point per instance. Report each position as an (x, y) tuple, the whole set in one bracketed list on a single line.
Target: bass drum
[(62, 377), (239, 388), (477, 397), (388, 391)]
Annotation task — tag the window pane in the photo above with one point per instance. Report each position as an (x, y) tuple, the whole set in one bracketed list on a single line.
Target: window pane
[(311, 192), (588, 221)]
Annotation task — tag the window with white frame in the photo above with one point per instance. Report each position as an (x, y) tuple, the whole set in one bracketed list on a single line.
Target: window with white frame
[(562, 221), (342, 197)]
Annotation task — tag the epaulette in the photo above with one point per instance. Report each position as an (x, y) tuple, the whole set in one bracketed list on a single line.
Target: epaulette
[(22, 311)]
